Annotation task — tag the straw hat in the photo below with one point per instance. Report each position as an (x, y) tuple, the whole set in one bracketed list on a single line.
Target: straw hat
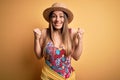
[(58, 7)]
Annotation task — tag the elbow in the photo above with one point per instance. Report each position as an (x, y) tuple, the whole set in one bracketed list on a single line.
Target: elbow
[(38, 55), (76, 58)]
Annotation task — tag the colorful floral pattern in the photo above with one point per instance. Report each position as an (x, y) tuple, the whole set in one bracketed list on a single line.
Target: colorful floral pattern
[(57, 61)]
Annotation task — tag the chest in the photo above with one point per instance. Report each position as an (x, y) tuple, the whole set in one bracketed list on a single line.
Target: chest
[(58, 42), (52, 52)]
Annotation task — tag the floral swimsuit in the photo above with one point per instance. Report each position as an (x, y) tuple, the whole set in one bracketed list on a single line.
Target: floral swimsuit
[(57, 61)]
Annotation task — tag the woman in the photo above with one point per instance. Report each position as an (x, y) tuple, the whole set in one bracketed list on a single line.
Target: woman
[(58, 44)]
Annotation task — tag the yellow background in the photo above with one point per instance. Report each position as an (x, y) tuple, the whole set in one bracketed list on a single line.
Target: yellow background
[(100, 19)]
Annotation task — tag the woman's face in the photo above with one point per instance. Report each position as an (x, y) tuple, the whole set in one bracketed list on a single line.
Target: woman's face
[(57, 19)]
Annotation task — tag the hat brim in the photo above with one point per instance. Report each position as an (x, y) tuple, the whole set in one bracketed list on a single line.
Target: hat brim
[(49, 10)]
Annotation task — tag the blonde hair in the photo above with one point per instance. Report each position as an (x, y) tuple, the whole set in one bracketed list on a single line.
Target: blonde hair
[(67, 41)]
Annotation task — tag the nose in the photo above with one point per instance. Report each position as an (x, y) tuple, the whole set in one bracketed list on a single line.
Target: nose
[(57, 18)]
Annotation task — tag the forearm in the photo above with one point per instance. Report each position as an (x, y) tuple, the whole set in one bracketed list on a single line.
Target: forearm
[(78, 50), (37, 47)]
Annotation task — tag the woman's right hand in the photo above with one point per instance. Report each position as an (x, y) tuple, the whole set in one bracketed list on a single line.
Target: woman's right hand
[(37, 33)]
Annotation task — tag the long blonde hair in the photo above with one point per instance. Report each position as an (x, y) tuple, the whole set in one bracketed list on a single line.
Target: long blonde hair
[(67, 41)]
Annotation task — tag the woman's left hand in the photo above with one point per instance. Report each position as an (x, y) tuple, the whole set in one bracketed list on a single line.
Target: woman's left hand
[(78, 36), (79, 33)]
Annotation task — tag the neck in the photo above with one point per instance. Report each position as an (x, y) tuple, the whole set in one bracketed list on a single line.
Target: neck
[(57, 32), (57, 35)]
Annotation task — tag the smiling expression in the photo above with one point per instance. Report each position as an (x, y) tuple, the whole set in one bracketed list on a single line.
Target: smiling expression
[(57, 19)]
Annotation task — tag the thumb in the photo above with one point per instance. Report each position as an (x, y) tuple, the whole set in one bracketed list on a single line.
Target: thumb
[(78, 31)]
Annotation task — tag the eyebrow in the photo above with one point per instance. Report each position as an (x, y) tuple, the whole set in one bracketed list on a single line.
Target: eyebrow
[(52, 13)]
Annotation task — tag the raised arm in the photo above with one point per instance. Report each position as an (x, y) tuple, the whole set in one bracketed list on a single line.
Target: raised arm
[(77, 43), (38, 41)]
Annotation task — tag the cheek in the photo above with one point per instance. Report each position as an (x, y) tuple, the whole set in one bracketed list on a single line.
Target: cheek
[(63, 20), (53, 19)]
